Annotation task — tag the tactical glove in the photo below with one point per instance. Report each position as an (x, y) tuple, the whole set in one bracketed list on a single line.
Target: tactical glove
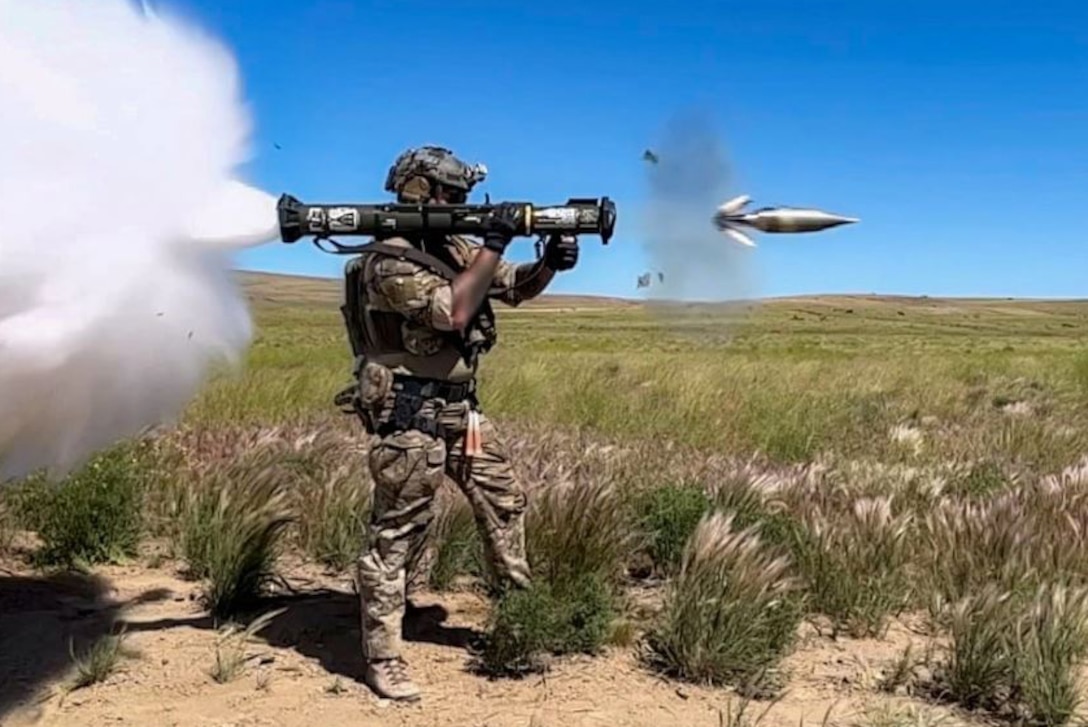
[(501, 226), (561, 252)]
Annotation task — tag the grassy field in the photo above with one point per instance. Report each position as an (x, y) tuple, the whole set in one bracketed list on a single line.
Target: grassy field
[(791, 379), (707, 482)]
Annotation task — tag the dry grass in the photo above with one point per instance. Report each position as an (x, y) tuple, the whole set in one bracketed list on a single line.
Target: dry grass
[(230, 648), (856, 564), (100, 660), (841, 460), (732, 611)]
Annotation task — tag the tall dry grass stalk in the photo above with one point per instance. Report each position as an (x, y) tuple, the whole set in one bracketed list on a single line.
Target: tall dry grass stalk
[(1051, 642), (455, 542), (579, 528), (856, 564), (732, 611), (979, 668), (332, 491), (101, 660), (1018, 655), (331, 515), (232, 523), (964, 546), (323, 468), (1033, 534), (9, 525)]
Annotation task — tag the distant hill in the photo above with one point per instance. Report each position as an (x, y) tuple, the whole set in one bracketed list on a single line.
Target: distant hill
[(277, 288)]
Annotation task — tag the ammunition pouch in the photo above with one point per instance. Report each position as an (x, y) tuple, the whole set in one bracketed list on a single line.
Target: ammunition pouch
[(349, 402), (372, 385)]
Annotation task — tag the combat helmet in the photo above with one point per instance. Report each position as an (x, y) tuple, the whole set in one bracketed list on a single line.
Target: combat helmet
[(415, 172)]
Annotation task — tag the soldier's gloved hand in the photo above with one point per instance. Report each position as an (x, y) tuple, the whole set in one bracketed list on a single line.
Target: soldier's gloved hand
[(501, 226), (561, 252)]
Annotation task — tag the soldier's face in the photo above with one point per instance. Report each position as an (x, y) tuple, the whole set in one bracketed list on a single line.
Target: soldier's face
[(443, 195)]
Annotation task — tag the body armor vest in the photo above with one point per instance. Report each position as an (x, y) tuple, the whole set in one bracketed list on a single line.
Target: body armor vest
[(377, 335)]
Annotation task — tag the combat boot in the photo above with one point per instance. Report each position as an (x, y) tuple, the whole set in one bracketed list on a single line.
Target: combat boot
[(389, 679)]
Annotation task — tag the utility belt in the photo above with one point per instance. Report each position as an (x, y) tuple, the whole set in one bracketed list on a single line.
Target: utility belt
[(409, 395), (421, 388)]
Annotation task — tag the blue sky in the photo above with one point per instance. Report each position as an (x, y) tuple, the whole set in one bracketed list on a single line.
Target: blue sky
[(956, 130)]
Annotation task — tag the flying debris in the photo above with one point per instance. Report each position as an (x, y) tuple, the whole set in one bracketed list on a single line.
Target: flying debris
[(644, 279), (772, 219), (649, 156)]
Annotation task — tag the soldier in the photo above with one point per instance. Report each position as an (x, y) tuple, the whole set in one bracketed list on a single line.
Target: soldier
[(418, 311)]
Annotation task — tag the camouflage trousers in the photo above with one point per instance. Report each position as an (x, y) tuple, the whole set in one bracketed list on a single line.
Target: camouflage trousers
[(408, 468)]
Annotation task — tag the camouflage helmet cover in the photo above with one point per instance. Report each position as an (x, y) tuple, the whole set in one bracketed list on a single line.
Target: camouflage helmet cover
[(436, 165)]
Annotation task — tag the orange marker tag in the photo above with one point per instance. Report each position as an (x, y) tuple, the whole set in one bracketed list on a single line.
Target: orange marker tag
[(473, 443)]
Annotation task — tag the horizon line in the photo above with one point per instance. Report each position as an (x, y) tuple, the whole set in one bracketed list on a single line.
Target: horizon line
[(607, 296)]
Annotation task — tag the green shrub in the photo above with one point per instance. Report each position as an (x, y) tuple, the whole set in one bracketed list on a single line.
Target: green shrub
[(531, 623), (578, 538), (669, 514), (519, 633), (91, 516)]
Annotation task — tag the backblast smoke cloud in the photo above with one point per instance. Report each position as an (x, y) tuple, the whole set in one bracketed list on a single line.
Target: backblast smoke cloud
[(121, 134)]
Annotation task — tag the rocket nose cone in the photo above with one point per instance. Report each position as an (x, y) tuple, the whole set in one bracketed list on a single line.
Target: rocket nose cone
[(811, 220), (836, 220)]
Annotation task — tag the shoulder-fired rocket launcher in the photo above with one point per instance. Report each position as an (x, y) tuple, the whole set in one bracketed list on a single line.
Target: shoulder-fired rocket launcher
[(579, 216)]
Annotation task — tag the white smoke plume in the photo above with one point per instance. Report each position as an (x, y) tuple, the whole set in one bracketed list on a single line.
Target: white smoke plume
[(121, 132)]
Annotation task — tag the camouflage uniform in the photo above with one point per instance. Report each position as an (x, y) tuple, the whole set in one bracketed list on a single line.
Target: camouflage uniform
[(416, 393)]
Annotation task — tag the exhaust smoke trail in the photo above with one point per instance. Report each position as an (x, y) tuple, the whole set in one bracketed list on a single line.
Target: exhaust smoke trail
[(120, 135), (688, 179)]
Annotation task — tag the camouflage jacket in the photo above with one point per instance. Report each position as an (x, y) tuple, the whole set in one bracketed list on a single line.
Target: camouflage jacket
[(405, 309)]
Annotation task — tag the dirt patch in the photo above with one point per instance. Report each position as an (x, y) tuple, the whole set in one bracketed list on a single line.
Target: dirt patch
[(304, 667)]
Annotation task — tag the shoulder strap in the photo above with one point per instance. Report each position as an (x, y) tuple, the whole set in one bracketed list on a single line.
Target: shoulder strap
[(416, 255), (413, 254), (419, 257)]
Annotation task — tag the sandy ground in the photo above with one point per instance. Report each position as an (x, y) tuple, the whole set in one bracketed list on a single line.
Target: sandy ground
[(304, 667)]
